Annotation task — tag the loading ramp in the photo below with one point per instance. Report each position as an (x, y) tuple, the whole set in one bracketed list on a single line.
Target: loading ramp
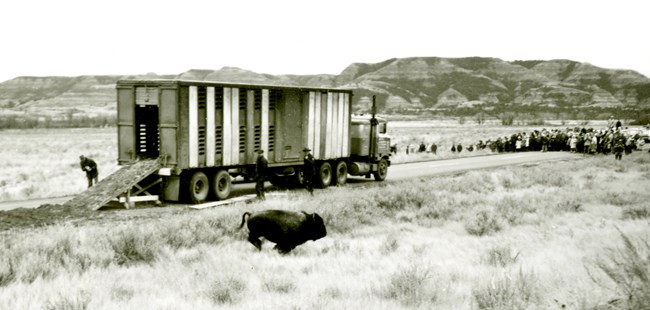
[(124, 183)]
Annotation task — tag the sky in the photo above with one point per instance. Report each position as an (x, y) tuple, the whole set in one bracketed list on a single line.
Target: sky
[(123, 37)]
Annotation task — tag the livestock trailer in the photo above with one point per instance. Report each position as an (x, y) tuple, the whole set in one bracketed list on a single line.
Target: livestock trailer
[(204, 135)]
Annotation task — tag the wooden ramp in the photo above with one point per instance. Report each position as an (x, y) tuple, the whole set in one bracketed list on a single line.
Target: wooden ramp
[(114, 185)]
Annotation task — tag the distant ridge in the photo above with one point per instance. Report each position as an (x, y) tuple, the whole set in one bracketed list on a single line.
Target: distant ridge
[(399, 83)]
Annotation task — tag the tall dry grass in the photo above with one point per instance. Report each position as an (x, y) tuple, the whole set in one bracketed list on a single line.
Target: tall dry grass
[(423, 244)]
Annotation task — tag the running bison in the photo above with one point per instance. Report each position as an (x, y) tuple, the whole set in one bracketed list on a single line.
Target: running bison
[(286, 228)]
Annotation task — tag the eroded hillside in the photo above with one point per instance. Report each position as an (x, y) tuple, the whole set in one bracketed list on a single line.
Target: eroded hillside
[(399, 83)]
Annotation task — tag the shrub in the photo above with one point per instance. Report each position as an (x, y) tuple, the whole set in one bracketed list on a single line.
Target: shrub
[(484, 223), (131, 246), (122, 293), (570, 205), (191, 232), (331, 293), (355, 211), (636, 212), (279, 285), (507, 292), (390, 245), (620, 199), (507, 118), (77, 302), (620, 167), (629, 269), (508, 181), (7, 273), (536, 122), (553, 179), (501, 256), (642, 160), (510, 209), (226, 291), (400, 199), (435, 211), (409, 286)]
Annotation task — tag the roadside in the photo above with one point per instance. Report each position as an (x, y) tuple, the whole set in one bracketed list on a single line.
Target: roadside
[(32, 203)]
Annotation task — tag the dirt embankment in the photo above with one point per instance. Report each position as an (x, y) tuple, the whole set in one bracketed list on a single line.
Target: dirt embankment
[(44, 215), (52, 214)]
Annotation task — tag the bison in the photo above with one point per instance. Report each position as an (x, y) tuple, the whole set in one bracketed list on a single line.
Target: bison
[(286, 228)]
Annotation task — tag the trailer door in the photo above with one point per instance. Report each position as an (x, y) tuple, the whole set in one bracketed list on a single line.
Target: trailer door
[(146, 122), (125, 124), (289, 116)]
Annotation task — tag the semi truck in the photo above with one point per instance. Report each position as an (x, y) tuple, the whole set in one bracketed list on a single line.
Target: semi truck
[(183, 140)]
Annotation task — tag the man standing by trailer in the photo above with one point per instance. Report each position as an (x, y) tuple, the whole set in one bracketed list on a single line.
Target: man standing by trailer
[(90, 167), (308, 170), (261, 166)]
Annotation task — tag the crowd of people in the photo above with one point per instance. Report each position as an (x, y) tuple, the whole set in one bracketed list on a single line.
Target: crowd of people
[(611, 140)]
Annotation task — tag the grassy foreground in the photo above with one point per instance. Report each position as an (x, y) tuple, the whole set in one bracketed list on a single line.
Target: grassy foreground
[(573, 234)]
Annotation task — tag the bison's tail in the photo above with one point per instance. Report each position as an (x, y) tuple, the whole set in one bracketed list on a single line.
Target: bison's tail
[(243, 219)]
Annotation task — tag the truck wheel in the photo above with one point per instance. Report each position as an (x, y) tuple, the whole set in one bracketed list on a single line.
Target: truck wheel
[(222, 185), (324, 175), (341, 173), (281, 181), (297, 179), (277, 181), (382, 170), (199, 187)]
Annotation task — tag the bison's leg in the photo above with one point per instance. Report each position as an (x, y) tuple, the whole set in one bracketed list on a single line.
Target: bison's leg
[(255, 241), (283, 248)]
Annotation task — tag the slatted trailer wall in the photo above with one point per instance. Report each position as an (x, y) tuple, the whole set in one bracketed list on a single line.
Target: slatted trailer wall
[(203, 124), (327, 115), (224, 126)]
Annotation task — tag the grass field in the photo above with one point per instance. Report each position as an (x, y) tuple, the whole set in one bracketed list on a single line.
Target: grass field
[(571, 235), (37, 163)]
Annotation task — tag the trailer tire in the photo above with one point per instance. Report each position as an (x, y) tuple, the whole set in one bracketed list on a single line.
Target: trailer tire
[(277, 181), (324, 175), (341, 173), (199, 187), (222, 185), (382, 170), (296, 180)]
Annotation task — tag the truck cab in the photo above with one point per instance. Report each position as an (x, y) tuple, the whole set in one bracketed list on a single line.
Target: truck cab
[(370, 146)]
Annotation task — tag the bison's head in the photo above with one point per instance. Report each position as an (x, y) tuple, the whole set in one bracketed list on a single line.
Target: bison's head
[(316, 226)]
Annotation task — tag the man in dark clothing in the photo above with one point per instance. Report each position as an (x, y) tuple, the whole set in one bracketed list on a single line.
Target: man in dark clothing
[(619, 145), (261, 167), (90, 167), (308, 169)]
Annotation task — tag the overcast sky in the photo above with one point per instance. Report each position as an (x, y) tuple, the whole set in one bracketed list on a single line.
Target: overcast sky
[(70, 38)]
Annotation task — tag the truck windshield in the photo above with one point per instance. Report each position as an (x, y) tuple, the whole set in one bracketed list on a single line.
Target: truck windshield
[(382, 128)]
